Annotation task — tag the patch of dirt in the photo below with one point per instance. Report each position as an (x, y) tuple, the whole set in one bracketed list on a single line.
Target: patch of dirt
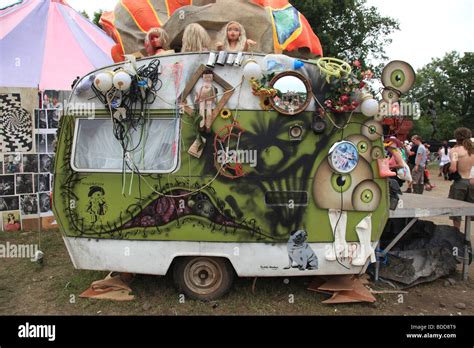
[(27, 288)]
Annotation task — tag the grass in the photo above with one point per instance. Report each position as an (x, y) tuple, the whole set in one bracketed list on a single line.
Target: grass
[(54, 287)]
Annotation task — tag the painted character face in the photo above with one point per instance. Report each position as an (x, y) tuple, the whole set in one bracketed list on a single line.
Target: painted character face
[(353, 191)]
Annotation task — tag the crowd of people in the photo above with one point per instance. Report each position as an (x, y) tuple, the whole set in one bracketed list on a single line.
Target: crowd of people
[(409, 160)]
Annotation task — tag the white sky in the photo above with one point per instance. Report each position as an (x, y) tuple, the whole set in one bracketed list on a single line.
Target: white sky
[(429, 28)]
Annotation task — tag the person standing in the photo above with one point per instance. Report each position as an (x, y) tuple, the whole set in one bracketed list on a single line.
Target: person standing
[(444, 159), (420, 164), (412, 149), (462, 161)]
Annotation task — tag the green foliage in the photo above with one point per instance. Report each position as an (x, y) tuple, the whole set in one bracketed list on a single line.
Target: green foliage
[(349, 29), (84, 13), (97, 16), (449, 82)]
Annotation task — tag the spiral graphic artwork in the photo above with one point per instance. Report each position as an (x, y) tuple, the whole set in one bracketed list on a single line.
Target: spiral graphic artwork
[(16, 125)]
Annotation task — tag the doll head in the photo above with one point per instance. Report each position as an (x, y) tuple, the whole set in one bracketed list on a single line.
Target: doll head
[(195, 39), (208, 75), (234, 36), (156, 39)]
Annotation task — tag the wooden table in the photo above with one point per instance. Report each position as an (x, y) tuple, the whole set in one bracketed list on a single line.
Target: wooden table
[(418, 206)]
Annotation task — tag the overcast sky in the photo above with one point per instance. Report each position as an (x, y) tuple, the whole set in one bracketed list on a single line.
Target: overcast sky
[(429, 28)]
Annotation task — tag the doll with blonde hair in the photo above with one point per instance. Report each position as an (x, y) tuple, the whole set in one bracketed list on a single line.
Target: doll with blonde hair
[(195, 39), (234, 38), (156, 41)]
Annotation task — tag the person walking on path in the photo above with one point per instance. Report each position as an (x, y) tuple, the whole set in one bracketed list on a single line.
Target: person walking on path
[(420, 164), (462, 161)]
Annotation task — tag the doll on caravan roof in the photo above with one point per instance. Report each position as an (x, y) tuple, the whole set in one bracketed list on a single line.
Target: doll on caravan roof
[(224, 161)]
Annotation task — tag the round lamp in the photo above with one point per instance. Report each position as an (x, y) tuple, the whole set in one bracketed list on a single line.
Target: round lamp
[(122, 81), (252, 70), (370, 107), (104, 81)]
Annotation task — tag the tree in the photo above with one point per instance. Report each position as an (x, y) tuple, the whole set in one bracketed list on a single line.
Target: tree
[(349, 29), (449, 83), (84, 13), (97, 16)]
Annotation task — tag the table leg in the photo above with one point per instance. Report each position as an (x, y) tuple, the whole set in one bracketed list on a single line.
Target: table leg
[(467, 240)]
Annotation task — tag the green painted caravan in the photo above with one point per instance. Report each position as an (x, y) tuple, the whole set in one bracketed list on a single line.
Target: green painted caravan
[(276, 211)]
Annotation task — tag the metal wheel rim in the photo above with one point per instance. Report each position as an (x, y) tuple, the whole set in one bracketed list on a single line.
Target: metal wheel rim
[(203, 276)]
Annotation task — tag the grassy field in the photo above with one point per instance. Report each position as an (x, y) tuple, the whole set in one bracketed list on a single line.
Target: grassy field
[(27, 288)]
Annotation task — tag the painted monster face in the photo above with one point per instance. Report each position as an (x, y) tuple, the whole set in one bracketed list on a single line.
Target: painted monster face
[(354, 191), (363, 144)]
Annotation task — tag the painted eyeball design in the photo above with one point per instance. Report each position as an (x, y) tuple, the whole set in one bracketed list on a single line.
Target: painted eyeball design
[(335, 190), (377, 153), (363, 144), (390, 95), (341, 182), (372, 130), (398, 75), (366, 196)]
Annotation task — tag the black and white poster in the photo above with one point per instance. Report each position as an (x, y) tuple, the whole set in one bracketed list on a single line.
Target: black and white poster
[(42, 182), (45, 202), (41, 120), (7, 185), (41, 143), (53, 118), (52, 140), (9, 203), (29, 204), (16, 125), (30, 163), (24, 183), (46, 163), (12, 163)]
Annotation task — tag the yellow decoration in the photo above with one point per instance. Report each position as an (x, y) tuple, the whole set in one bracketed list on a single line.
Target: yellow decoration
[(226, 113), (333, 67)]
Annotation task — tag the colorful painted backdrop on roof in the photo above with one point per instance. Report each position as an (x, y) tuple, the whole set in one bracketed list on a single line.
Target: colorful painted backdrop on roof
[(131, 19), (46, 44)]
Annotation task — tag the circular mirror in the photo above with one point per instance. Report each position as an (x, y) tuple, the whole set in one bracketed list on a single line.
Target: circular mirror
[(294, 93)]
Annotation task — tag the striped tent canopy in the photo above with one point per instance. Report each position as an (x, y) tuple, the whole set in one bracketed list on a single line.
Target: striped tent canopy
[(45, 44)]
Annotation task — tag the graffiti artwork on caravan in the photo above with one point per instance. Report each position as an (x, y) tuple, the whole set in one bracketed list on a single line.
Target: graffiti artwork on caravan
[(265, 182)]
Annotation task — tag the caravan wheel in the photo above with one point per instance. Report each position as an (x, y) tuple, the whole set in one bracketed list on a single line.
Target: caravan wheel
[(203, 278)]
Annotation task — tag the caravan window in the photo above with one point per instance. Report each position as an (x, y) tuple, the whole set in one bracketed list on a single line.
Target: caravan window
[(155, 148)]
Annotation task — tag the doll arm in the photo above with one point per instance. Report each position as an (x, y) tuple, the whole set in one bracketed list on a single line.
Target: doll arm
[(220, 46)]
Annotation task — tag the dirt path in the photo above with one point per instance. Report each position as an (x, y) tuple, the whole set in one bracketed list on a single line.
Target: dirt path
[(53, 288)]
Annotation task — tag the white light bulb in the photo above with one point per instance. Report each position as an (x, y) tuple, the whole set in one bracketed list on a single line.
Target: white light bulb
[(370, 107), (104, 81), (122, 81), (252, 71)]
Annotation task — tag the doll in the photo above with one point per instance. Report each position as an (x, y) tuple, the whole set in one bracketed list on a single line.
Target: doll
[(156, 41), (195, 39), (234, 38), (206, 97)]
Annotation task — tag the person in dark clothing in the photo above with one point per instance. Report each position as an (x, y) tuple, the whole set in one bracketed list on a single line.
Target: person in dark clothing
[(411, 163)]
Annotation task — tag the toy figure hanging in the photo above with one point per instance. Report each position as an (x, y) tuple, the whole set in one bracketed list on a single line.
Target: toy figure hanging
[(234, 38), (206, 98)]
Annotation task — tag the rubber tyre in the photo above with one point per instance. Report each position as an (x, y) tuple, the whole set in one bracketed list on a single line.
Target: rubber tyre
[(203, 278)]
